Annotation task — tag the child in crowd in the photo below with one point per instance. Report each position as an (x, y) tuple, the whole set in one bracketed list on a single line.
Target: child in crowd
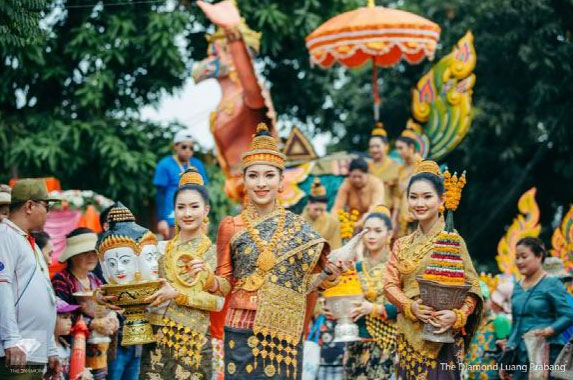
[(63, 328)]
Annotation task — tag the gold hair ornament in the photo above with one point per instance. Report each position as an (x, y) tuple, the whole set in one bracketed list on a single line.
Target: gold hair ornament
[(379, 131), (382, 210), (263, 150), (191, 176), (453, 186), (428, 166), (317, 190)]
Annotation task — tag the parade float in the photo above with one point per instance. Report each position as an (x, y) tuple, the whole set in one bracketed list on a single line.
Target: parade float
[(441, 100), (526, 224), (562, 242)]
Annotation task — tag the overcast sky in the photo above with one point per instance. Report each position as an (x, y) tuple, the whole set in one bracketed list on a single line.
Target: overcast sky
[(192, 105)]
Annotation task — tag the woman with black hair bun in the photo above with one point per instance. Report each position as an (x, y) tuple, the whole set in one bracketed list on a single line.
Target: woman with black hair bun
[(186, 299), (375, 316), (539, 308), (437, 244), (408, 149)]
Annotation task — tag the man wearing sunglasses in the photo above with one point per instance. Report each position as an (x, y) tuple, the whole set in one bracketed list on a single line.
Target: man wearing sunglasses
[(166, 179), (27, 300)]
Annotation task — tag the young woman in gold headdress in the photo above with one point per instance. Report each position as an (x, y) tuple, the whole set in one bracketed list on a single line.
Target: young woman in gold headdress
[(408, 150), (267, 256), (372, 358), (419, 358), (382, 166), (187, 268)]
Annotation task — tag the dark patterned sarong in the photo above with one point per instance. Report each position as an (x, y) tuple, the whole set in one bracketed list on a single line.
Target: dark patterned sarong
[(164, 363), (364, 360), (447, 366), (241, 364)]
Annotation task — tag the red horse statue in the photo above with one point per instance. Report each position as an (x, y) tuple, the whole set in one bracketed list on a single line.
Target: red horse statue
[(244, 103)]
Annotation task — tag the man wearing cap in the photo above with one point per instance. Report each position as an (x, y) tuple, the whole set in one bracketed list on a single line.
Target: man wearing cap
[(27, 300), (4, 201), (166, 179)]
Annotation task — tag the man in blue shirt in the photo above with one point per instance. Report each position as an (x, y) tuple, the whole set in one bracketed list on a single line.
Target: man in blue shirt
[(166, 179)]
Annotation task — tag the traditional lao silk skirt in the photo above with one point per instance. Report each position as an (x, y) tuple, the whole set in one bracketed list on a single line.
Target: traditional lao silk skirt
[(241, 363)]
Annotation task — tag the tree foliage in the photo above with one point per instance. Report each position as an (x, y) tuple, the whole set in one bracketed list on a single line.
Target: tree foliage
[(69, 105), (19, 22)]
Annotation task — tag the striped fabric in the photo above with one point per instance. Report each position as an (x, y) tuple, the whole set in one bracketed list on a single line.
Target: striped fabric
[(65, 284), (241, 319)]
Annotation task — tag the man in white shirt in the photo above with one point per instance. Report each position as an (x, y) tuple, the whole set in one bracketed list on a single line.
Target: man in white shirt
[(27, 300)]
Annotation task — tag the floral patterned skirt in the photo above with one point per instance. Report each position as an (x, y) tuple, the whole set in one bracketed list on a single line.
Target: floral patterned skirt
[(364, 360)]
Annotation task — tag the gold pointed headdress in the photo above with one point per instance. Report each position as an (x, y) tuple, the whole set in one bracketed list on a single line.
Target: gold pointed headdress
[(428, 166), (120, 213), (191, 176), (379, 131), (317, 190), (412, 131), (263, 150)]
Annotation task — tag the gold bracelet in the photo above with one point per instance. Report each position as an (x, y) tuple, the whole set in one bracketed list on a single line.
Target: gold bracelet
[(375, 313), (182, 299), (233, 34), (210, 280), (408, 310), (461, 319)]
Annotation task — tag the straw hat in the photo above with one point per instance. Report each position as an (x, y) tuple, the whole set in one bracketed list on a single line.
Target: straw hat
[(78, 244), (501, 296), (555, 268), (5, 197)]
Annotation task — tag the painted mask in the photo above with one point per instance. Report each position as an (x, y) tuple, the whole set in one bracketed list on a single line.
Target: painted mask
[(118, 248)]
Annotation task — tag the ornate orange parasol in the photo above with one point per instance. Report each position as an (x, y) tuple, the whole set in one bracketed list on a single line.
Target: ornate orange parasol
[(374, 34)]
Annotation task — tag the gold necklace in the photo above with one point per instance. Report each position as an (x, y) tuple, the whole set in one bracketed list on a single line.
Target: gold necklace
[(266, 259), (408, 258), (371, 292)]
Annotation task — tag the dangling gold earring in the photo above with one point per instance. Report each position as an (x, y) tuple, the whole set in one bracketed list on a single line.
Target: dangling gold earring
[(281, 189), (206, 220), (442, 209)]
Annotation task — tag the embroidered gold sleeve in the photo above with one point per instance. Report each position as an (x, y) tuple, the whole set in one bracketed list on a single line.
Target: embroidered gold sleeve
[(392, 283)]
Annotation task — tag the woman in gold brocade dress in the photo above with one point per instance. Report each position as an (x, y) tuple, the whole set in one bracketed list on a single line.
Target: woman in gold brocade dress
[(183, 350), (372, 358), (418, 358), (267, 256)]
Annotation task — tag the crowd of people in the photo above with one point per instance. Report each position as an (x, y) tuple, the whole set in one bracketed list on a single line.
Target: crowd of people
[(241, 307)]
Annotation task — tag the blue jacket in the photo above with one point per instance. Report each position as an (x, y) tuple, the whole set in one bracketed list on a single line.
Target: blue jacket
[(166, 180)]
